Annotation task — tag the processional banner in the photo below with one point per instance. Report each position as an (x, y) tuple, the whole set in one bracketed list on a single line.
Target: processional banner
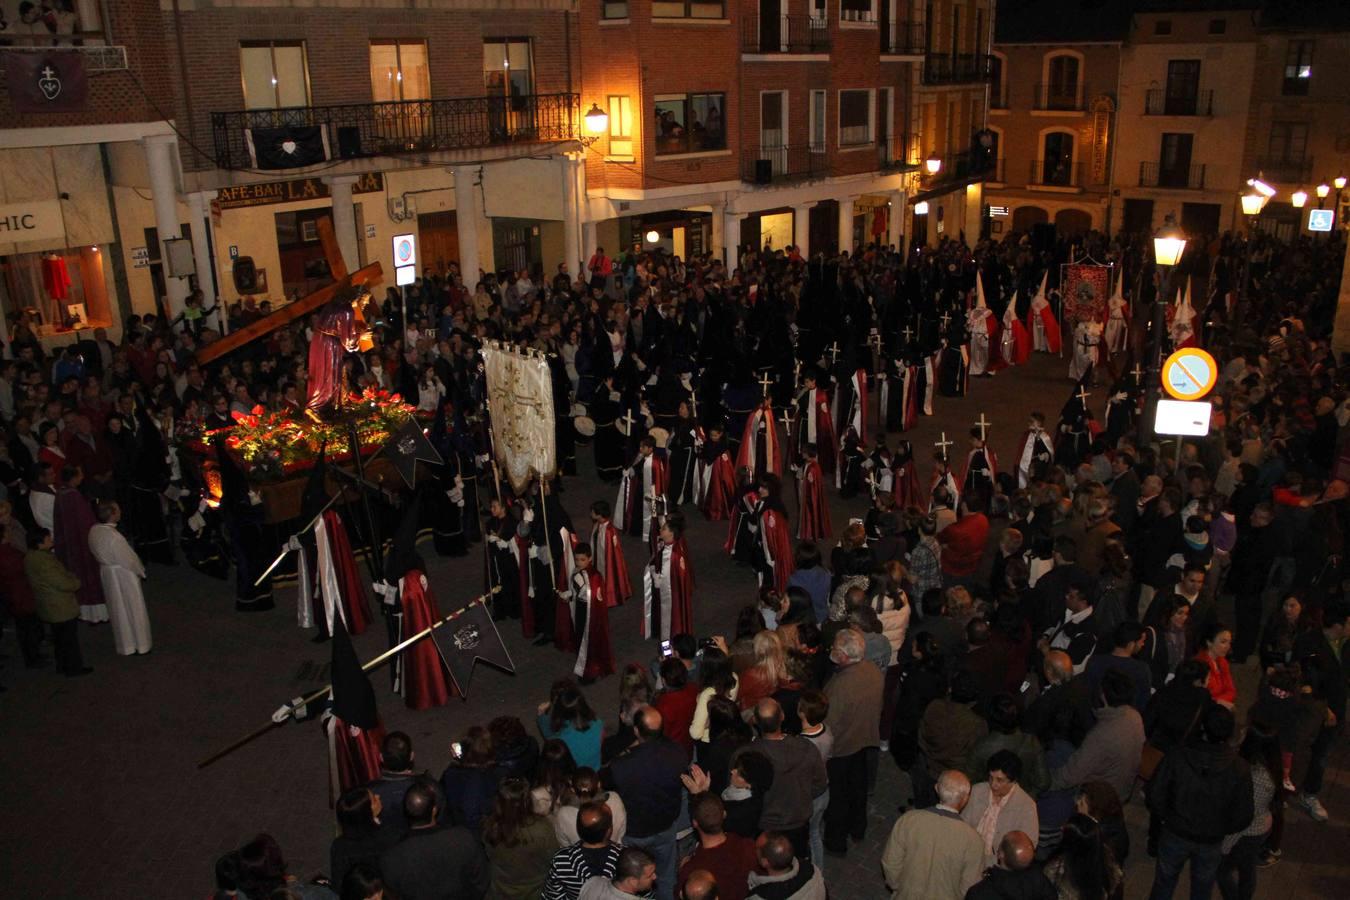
[(520, 402), (1086, 289)]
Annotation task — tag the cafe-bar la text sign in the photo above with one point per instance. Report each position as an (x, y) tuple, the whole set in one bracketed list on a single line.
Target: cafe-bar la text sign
[(265, 193)]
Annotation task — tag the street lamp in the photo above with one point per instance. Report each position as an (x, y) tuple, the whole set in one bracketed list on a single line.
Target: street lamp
[(653, 236), (921, 208), (1168, 244), (1265, 189), (596, 121), (933, 164), (1322, 190), (1252, 204), (1299, 198)]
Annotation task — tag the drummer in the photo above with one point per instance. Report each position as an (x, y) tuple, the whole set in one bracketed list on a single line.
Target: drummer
[(604, 423)]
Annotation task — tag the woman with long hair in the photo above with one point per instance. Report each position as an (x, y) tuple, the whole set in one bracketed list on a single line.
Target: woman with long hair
[(1242, 850), (851, 556), (1166, 636), (520, 842), (1099, 800), (362, 882), (568, 717), (553, 777), (768, 672), (1083, 868), (362, 840), (716, 679)]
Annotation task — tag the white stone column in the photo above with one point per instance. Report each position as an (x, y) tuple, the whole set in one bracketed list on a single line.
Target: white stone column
[(199, 204), (717, 240), (161, 157), (896, 221), (801, 228), (571, 214), (731, 227), (344, 219), (466, 223), (846, 224)]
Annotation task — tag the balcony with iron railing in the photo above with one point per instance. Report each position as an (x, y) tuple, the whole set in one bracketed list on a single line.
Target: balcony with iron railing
[(1285, 169), (1188, 178), (893, 152), (1158, 102), (958, 68), (1055, 174), (1060, 97), (902, 39), (408, 126), (784, 34), (780, 165), (965, 166)]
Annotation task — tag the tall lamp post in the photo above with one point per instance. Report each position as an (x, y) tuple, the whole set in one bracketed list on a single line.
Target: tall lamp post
[(1168, 244), (1339, 183), (1252, 204)]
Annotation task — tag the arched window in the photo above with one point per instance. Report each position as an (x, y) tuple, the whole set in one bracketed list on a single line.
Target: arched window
[(1057, 164), (1062, 87), (1072, 222), (1027, 217)]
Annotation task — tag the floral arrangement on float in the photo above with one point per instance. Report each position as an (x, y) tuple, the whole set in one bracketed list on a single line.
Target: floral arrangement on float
[(275, 444)]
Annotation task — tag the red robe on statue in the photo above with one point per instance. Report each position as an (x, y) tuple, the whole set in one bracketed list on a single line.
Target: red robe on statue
[(610, 563), (424, 668), (668, 592), (717, 483), (775, 541), (813, 513)]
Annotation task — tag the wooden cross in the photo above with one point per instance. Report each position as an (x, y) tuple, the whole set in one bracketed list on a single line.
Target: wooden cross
[(874, 340), (945, 319), (1082, 395), (693, 404), (796, 375), (766, 383), (908, 333), (1138, 374), (787, 421), (943, 444), (983, 424), (371, 274), (628, 420), (834, 352)]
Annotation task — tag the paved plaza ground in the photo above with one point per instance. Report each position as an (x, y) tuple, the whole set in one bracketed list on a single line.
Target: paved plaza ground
[(103, 798)]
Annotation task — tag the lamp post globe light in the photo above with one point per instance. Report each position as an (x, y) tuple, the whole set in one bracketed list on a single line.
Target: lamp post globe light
[(595, 122), (933, 164), (1299, 198)]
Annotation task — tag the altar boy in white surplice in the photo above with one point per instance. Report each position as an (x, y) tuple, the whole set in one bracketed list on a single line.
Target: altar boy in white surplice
[(121, 571)]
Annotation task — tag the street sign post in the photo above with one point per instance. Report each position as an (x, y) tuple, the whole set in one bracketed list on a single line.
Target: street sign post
[(1189, 374)]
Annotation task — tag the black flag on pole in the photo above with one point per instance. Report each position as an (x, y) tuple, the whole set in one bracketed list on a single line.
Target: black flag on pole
[(473, 636)]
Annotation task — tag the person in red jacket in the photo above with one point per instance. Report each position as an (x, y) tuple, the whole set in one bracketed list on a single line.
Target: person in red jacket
[(1215, 642), (677, 702), (963, 543)]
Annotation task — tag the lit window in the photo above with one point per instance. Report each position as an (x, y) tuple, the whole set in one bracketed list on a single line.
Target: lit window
[(690, 123), (274, 74), (620, 125)]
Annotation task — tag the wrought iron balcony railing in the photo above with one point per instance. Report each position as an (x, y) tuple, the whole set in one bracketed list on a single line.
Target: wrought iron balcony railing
[(1285, 169), (902, 39), (358, 130), (1191, 178), (777, 165), (1158, 102), (1061, 97), (1055, 173), (785, 34), (960, 68)]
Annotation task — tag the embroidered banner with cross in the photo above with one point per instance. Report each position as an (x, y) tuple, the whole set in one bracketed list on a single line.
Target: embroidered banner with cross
[(520, 402), (53, 81)]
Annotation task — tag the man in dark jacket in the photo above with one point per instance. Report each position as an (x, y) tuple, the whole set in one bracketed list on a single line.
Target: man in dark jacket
[(798, 777), (647, 776), (1252, 557), (432, 862), (1323, 651), (1200, 793), (1016, 877)]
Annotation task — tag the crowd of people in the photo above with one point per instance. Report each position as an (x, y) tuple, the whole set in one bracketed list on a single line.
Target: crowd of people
[(1032, 645)]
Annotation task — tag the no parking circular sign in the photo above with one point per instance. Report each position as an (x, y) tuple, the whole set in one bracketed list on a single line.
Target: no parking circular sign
[(1189, 374)]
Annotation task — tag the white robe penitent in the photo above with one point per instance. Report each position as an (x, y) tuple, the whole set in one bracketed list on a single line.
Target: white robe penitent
[(121, 571)]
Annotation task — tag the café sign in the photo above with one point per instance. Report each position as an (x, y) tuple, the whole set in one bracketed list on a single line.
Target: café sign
[(295, 191)]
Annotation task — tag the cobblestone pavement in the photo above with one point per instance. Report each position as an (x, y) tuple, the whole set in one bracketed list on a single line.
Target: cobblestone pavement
[(103, 798)]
